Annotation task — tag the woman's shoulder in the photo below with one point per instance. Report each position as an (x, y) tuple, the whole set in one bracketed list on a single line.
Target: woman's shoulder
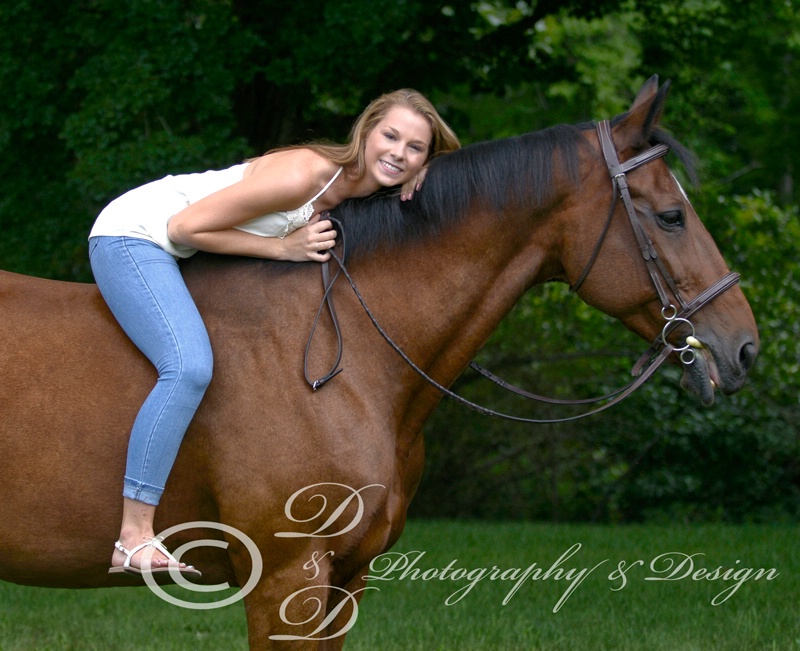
[(295, 166), (289, 177)]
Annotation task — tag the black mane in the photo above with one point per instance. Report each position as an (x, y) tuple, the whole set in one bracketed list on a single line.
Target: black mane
[(513, 172)]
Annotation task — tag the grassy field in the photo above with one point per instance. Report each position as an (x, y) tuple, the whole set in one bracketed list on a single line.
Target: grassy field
[(580, 604)]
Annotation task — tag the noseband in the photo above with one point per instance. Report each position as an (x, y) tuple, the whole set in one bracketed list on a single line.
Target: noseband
[(647, 364)]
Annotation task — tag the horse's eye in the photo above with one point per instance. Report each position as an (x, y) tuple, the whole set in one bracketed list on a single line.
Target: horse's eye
[(671, 219)]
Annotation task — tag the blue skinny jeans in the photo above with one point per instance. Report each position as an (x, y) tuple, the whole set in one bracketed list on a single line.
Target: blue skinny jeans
[(143, 286)]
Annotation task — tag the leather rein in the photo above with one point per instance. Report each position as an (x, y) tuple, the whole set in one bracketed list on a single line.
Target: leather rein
[(658, 352)]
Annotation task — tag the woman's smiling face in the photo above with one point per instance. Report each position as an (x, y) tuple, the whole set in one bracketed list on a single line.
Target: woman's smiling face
[(397, 148)]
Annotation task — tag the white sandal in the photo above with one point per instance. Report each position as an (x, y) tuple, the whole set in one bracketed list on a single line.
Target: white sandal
[(127, 568)]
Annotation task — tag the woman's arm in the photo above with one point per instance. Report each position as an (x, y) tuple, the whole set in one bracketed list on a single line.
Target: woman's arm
[(281, 181), (309, 243)]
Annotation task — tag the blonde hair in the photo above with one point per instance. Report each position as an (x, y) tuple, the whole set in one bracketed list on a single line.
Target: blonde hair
[(352, 153)]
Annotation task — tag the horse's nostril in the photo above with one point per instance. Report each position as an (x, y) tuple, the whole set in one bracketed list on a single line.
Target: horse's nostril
[(747, 355)]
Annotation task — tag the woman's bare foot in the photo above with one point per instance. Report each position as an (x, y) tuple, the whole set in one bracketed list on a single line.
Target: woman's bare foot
[(138, 549)]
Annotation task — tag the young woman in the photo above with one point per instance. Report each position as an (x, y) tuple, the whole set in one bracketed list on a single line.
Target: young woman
[(268, 207)]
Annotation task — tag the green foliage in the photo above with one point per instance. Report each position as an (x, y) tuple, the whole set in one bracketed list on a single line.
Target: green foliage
[(103, 97), (733, 61), (155, 94)]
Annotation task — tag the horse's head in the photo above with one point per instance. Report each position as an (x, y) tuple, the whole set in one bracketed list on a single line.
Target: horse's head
[(619, 280)]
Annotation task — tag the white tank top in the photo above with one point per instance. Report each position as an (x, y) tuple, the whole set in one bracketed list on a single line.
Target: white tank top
[(144, 212)]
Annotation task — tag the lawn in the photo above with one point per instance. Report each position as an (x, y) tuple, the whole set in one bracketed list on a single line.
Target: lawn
[(534, 586)]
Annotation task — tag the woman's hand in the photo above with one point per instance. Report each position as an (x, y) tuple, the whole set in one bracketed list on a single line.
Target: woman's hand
[(413, 185), (311, 242)]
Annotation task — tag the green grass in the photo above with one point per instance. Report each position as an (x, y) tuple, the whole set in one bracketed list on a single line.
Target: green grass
[(651, 615), (411, 614)]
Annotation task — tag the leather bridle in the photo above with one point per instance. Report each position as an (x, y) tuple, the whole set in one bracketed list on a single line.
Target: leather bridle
[(648, 363), (655, 267)]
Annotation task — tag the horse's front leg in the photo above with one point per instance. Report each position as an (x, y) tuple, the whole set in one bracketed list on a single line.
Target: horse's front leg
[(343, 610), (290, 606)]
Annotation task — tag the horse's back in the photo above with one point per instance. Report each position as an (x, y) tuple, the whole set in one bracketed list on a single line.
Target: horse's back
[(59, 343)]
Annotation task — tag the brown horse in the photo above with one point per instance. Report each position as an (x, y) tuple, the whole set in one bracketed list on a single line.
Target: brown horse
[(492, 220)]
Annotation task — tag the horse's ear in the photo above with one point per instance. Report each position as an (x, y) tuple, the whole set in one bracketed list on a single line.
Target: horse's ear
[(646, 93), (635, 128)]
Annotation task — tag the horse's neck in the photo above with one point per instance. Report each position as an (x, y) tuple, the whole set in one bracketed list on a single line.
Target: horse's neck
[(440, 297), (444, 296)]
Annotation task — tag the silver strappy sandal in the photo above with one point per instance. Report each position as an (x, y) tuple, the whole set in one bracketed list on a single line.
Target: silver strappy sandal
[(127, 568)]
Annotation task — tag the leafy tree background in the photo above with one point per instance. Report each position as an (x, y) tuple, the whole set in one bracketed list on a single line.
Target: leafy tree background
[(100, 96)]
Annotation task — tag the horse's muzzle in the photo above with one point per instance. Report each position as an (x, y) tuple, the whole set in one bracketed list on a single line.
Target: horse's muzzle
[(719, 364)]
